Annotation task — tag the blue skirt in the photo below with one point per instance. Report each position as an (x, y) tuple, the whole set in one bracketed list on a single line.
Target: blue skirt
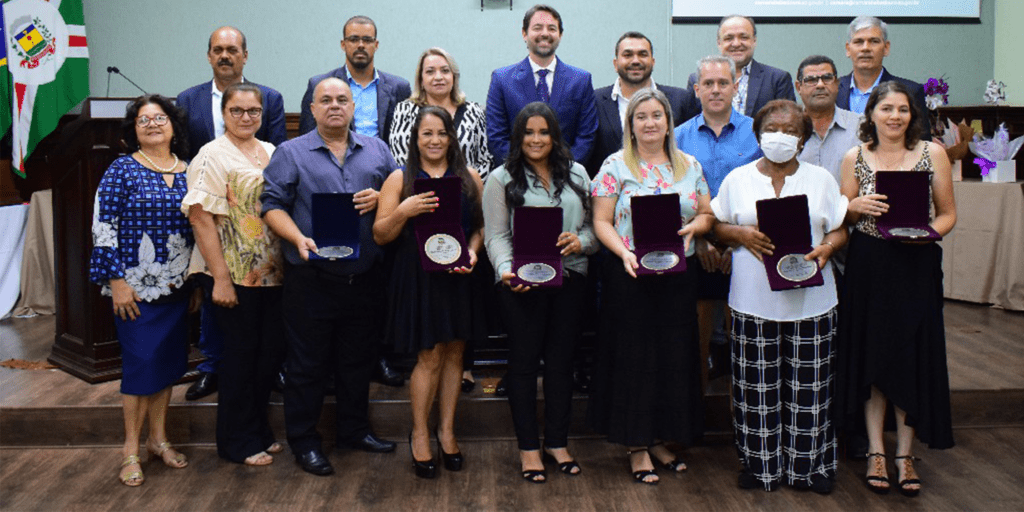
[(154, 347)]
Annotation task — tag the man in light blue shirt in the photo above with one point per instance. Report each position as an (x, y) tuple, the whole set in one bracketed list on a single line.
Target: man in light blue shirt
[(835, 129)]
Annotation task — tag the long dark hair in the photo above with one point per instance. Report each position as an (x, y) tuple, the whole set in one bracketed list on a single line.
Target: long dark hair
[(456, 161), (559, 160), (869, 133), (179, 142)]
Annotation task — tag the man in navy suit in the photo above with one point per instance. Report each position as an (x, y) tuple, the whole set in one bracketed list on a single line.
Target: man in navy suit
[(867, 47), (757, 83), (634, 62), (227, 54), (375, 92), (542, 77)]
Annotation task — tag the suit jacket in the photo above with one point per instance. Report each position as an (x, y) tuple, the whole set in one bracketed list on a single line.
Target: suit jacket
[(572, 99), (609, 129), (764, 84), (390, 90), (198, 106), (916, 91)]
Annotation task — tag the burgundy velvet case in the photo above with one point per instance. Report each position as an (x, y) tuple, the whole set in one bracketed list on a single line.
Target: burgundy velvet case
[(439, 233), (656, 225), (908, 200), (335, 227), (787, 222), (536, 257)]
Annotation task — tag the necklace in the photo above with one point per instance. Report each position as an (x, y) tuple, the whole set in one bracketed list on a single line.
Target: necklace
[(157, 168), (255, 155), (891, 166)]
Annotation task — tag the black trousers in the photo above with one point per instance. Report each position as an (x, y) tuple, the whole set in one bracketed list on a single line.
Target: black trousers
[(542, 324), (331, 322), (254, 348)]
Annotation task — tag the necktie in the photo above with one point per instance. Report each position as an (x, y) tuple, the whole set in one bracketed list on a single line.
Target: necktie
[(542, 86)]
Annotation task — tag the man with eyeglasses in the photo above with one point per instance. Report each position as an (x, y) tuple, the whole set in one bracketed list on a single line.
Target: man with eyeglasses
[(226, 51), (867, 47), (835, 129), (756, 83), (375, 92)]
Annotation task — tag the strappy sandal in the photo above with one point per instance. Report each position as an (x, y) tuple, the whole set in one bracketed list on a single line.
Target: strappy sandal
[(131, 478), (259, 459), (911, 476), (676, 465), (569, 467), (535, 476), (274, 448), (876, 461), (178, 461), (640, 475)]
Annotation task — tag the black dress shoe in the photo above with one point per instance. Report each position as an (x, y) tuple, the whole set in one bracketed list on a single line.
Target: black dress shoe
[(468, 385), (205, 386), (386, 375), (581, 381), (371, 443), (500, 389), (315, 462)]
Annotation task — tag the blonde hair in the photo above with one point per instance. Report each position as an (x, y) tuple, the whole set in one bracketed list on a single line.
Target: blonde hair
[(419, 96), (679, 162)]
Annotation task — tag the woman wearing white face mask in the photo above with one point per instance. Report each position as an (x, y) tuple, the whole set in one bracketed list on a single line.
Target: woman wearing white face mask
[(781, 340)]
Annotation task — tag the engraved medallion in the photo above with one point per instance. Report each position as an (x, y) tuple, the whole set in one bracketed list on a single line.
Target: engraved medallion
[(442, 249), (908, 232), (660, 260), (335, 251), (793, 267), (536, 272)]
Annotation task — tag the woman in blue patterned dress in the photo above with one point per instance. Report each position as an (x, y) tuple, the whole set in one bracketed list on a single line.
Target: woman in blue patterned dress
[(141, 248)]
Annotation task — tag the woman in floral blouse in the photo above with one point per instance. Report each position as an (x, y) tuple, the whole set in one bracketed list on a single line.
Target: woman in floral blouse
[(244, 258), (141, 249), (647, 379)]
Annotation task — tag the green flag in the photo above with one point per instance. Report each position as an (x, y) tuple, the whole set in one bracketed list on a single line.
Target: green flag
[(5, 81), (49, 66)]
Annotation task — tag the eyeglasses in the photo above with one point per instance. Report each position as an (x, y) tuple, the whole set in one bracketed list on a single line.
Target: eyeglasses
[(237, 112), (159, 119), (826, 79), (367, 40)]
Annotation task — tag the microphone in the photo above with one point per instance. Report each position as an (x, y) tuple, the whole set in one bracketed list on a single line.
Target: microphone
[(113, 69)]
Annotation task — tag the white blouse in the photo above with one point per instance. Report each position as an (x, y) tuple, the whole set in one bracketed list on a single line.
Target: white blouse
[(749, 292)]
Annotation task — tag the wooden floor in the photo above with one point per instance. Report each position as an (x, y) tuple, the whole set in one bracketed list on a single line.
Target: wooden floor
[(984, 473)]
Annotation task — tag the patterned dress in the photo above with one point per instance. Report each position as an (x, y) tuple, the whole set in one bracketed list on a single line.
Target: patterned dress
[(141, 236), (470, 127)]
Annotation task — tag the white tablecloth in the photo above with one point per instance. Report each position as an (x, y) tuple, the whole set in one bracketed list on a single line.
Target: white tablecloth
[(12, 240)]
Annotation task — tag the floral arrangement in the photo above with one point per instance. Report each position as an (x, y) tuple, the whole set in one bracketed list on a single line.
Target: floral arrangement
[(936, 92), (996, 149), (994, 92)]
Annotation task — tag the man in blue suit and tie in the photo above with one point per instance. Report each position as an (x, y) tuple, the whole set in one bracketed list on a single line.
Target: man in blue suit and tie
[(227, 54), (757, 83), (226, 51), (375, 92), (542, 77)]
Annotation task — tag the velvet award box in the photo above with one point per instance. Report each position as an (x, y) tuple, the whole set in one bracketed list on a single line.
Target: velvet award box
[(656, 223), (787, 223), (908, 196), (335, 227), (536, 257), (442, 244)]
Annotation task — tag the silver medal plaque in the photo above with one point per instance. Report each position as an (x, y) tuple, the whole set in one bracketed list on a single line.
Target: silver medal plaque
[(659, 260), (908, 232), (536, 272), (335, 251), (442, 249), (793, 267)]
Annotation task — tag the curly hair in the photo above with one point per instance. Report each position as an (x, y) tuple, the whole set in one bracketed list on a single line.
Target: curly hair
[(773, 106), (179, 141), (868, 133)]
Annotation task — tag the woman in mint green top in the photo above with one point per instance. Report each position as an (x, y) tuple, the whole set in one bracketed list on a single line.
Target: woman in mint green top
[(542, 323), (646, 388)]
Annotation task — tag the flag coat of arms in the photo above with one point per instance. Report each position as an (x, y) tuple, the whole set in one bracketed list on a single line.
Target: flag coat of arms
[(46, 70)]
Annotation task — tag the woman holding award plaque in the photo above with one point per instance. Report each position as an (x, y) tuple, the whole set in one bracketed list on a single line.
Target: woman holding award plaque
[(892, 334), (646, 388), (431, 313), (243, 256), (543, 320), (783, 298)]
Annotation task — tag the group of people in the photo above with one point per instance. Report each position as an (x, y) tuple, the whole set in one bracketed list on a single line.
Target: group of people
[(240, 220)]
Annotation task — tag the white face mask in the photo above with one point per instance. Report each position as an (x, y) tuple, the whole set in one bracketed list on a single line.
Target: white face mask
[(779, 147)]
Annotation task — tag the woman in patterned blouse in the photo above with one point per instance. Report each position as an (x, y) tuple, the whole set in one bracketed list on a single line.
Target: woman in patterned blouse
[(141, 248), (244, 258)]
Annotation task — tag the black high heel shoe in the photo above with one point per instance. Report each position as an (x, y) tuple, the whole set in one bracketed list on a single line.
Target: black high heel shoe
[(424, 468), (452, 461), (569, 467)]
